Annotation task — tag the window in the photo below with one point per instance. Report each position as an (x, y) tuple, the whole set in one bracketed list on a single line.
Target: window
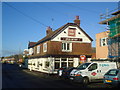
[(38, 49), (83, 66), (63, 62), (104, 41), (67, 47), (70, 62), (93, 67), (45, 47), (47, 63), (57, 63), (112, 72)]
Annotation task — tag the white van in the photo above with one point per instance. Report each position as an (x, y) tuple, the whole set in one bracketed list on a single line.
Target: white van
[(90, 71)]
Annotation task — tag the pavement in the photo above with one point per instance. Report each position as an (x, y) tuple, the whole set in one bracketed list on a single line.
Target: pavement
[(41, 74)]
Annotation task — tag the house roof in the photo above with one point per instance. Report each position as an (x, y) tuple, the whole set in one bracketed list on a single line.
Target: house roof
[(31, 44), (56, 32)]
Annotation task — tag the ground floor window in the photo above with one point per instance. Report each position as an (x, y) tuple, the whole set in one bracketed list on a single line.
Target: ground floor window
[(63, 62), (57, 65), (70, 64)]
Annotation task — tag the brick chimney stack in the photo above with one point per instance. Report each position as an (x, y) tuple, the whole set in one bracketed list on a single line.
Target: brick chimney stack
[(77, 21), (49, 30)]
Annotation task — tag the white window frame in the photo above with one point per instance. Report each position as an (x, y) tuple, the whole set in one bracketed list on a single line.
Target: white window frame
[(65, 47), (104, 41), (38, 49), (45, 47)]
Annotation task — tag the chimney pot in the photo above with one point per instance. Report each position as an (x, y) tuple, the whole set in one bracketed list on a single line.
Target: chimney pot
[(77, 17), (77, 21), (49, 30)]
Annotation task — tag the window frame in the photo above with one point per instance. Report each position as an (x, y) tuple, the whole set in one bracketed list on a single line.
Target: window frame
[(45, 47), (66, 47), (104, 41), (38, 49)]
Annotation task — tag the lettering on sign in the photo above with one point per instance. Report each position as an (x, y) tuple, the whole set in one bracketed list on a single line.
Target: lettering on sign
[(104, 65), (71, 39)]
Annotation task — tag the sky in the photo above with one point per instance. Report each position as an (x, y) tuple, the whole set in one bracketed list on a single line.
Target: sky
[(27, 21)]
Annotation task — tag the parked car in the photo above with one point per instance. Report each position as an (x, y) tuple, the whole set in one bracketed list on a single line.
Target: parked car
[(65, 72), (112, 77)]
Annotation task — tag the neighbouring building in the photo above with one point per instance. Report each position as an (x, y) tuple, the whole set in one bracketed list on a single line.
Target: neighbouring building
[(64, 47), (102, 45), (114, 36), (10, 60), (25, 52)]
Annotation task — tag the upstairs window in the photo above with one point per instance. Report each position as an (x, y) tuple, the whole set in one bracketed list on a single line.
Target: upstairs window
[(67, 47), (104, 41), (45, 47), (38, 49)]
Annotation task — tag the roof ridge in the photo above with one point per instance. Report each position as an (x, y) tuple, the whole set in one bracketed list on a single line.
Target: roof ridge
[(54, 33)]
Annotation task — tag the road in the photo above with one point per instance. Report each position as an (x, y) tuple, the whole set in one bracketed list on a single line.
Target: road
[(15, 77)]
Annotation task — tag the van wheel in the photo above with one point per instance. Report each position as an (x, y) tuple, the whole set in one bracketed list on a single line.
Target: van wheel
[(85, 81)]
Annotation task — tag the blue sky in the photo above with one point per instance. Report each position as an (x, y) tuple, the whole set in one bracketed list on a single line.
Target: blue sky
[(27, 21)]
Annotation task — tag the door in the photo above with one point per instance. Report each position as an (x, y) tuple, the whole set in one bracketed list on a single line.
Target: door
[(93, 71)]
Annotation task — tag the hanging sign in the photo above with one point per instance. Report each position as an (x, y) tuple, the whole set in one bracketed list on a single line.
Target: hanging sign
[(82, 58), (71, 31)]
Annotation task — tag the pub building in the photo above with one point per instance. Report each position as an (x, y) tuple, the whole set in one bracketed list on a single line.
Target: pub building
[(68, 46)]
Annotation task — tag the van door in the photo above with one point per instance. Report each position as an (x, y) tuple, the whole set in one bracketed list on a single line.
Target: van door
[(93, 71)]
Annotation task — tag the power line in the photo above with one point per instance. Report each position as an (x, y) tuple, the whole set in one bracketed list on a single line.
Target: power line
[(25, 14)]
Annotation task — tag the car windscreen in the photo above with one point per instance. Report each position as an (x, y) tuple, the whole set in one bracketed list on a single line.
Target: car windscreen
[(112, 72), (83, 66)]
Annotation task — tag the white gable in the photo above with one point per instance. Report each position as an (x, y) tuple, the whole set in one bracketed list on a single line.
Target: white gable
[(72, 34)]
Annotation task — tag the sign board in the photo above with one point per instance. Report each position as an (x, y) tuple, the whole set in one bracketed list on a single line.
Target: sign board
[(71, 31), (71, 39), (82, 58)]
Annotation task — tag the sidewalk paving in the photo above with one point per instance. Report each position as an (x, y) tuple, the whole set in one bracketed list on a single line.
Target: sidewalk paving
[(41, 74)]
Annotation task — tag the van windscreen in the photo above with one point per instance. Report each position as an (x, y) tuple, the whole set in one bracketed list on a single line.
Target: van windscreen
[(83, 66)]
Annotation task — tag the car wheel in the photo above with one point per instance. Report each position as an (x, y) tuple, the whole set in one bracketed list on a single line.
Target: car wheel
[(85, 81)]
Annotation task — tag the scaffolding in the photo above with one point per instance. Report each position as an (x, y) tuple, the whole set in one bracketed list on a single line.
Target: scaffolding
[(114, 36), (114, 27)]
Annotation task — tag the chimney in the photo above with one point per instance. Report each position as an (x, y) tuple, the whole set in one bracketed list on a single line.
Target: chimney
[(77, 21), (49, 30)]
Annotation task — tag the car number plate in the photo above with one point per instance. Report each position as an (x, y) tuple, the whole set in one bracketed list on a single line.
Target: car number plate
[(108, 80)]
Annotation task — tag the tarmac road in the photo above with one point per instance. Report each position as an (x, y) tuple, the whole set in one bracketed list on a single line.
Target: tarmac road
[(15, 77)]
